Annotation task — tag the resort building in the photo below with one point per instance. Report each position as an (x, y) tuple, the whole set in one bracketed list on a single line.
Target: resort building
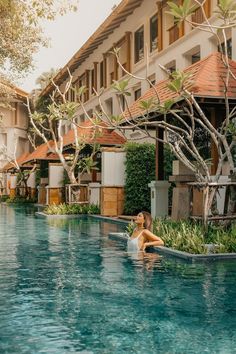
[(147, 36), (13, 129)]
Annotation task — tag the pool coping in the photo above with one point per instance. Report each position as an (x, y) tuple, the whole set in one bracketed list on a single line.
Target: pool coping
[(210, 257), (180, 254), (73, 216)]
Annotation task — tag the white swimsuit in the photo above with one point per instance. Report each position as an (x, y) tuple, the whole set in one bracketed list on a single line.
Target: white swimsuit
[(133, 243)]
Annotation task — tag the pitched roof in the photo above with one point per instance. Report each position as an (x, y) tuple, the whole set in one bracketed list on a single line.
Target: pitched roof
[(107, 138), (42, 153), (86, 131), (20, 160), (118, 15), (206, 80)]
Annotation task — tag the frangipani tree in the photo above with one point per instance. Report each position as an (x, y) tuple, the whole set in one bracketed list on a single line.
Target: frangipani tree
[(49, 127), (182, 117), (14, 164)]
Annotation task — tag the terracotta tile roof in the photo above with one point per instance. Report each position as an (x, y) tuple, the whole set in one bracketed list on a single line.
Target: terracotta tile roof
[(20, 160), (107, 137), (206, 80), (86, 131), (41, 153)]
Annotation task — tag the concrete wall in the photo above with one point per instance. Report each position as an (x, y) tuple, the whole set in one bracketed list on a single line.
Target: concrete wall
[(113, 168), (56, 175)]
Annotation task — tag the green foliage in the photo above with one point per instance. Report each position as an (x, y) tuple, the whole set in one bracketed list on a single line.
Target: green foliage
[(121, 87), (3, 198), (177, 83), (226, 10), (148, 104), (130, 228), (140, 171), (189, 237), (19, 200), (42, 104), (66, 209), (180, 12), (23, 20)]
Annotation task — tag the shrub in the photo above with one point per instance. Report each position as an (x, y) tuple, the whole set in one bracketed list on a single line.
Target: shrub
[(3, 198), (140, 171), (19, 200), (189, 237), (69, 209)]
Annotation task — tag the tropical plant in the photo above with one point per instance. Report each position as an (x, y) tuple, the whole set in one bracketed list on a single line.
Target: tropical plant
[(190, 237), (130, 228), (68, 209), (48, 125)]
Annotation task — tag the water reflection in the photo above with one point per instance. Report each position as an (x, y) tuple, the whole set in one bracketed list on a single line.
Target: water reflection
[(67, 288)]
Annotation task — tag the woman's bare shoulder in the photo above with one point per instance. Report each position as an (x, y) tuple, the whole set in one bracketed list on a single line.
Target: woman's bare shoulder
[(150, 234)]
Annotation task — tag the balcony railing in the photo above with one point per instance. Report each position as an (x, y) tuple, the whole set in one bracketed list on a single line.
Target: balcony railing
[(197, 17), (173, 33)]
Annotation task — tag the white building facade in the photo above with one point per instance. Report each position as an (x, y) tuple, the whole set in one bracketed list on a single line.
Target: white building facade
[(147, 36)]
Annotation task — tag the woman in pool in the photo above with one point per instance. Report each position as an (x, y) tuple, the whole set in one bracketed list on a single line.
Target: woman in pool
[(142, 237)]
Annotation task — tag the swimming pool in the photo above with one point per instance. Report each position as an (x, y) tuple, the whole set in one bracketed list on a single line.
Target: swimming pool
[(66, 288)]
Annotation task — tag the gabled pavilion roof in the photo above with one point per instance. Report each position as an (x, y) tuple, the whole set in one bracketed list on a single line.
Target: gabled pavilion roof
[(42, 153), (20, 161), (118, 15), (206, 80), (86, 130), (107, 137)]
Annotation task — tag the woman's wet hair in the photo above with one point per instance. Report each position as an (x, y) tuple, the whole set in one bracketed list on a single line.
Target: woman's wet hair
[(147, 220)]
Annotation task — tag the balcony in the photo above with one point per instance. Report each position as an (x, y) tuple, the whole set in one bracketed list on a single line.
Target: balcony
[(173, 33), (197, 17)]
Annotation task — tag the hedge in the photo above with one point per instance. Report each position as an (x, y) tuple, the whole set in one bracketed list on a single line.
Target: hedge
[(140, 171)]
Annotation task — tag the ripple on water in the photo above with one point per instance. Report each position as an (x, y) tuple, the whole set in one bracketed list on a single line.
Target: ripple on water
[(66, 288)]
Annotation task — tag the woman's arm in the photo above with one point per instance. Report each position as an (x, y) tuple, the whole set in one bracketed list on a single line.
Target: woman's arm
[(151, 240)]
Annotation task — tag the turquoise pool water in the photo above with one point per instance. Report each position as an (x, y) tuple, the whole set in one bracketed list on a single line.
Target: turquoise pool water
[(66, 288)]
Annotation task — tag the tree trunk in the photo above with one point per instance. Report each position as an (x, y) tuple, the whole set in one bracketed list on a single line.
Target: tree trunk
[(205, 207), (71, 176)]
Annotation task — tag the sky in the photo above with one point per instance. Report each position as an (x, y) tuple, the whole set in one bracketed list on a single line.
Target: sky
[(67, 34)]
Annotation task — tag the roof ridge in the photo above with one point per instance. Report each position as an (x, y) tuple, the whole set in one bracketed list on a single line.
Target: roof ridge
[(201, 64)]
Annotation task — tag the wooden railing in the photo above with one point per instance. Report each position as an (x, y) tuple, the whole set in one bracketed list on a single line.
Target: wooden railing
[(197, 17), (173, 33)]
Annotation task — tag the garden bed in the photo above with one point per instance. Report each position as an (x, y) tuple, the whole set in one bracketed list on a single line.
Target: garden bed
[(210, 257)]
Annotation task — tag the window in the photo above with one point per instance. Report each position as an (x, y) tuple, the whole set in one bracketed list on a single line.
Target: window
[(109, 106), (171, 66), (137, 93), (152, 79), (122, 102), (90, 113), (228, 48), (92, 81), (139, 44), (72, 95), (153, 33), (82, 118), (101, 74), (195, 58), (98, 110), (112, 77)]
